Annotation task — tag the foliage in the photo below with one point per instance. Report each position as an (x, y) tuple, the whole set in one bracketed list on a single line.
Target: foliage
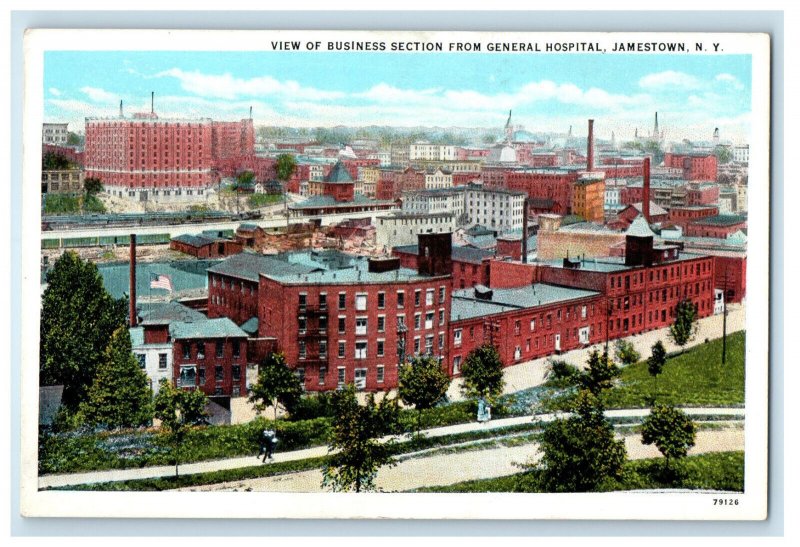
[(285, 164), (724, 154), (692, 378), (684, 328), (563, 374), (422, 383), (78, 319), (655, 363), (54, 160), (92, 185), (74, 139), (91, 204), (357, 450), (580, 452), (56, 204), (313, 405), (178, 410), (276, 384), (670, 430), (120, 395), (722, 471), (244, 181), (261, 200), (482, 373), (626, 353), (199, 208), (600, 374)]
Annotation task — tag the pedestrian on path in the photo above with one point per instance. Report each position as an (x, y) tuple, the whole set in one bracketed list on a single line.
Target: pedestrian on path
[(265, 446)]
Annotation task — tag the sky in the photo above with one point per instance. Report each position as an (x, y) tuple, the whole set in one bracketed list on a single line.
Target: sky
[(693, 94)]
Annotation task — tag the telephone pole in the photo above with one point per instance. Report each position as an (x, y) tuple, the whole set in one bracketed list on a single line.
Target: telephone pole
[(725, 316)]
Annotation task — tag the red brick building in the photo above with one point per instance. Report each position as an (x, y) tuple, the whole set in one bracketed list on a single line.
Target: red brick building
[(702, 194), (470, 265), (206, 245), (694, 166), (392, 183), (719, 226), (555, 185), (682, 216)]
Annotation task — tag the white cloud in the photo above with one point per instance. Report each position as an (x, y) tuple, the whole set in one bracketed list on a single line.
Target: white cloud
[(54, 91), (99, 95), (729, 79), (669, 78)]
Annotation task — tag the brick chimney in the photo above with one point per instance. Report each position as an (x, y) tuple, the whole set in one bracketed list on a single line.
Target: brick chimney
[(590, 147), (132, 281), (646, 190), (525, 213)]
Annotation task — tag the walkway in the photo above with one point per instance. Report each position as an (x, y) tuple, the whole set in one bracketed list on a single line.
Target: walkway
[(50, 481)]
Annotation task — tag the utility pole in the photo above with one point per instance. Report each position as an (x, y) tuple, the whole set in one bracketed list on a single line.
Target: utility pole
[(725, 317)]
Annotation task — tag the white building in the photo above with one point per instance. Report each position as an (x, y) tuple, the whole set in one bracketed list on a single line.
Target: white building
[(425, 202), (403, 228), (719, 301), (741, 153), (438, 178), (423, 150), (154, 359), (54, 133), (384, 157)]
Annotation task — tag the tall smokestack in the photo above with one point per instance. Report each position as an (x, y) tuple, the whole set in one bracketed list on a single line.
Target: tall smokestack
[(152, 102), (251, 112), (132, 304), (590, 147), (120, 109), (646, 190), (525, 231)]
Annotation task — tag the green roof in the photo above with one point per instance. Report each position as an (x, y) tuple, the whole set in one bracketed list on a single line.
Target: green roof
[(159, 313), (339, 174), (249, 265), (184, 274), (221, 327), (459, 253), (316, 202), (722, 220), (250, 326), (465, 304)]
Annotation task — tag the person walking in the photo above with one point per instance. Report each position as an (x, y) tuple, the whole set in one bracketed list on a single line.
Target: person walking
[(264, 444), (273, 442)]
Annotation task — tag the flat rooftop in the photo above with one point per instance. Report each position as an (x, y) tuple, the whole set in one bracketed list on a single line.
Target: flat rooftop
[(466, 305), (610, 264)]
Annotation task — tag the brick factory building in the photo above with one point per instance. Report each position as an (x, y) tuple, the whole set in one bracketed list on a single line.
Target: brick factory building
[(719, 226), (145, 157), (209, 244), (588, 196), (699, 166), (470, 266)]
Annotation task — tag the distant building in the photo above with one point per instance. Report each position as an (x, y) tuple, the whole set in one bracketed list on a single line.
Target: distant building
[(63, 181), (741, 154), (588, 196), (402, 228), (55, 133)]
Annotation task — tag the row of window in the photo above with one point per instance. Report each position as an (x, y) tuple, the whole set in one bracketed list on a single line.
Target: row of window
[(219, 349), (361, 299), (359, 376)]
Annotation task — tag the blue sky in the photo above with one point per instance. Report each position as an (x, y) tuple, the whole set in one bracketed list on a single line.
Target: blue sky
[(692, 93)]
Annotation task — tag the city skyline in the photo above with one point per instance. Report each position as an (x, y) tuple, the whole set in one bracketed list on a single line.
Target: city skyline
[(547, 93)]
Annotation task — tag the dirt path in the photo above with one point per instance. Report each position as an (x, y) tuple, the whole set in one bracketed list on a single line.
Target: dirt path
[(443, 469)]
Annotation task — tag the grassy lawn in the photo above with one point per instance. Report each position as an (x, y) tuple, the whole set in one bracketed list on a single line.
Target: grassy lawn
[(718, 471), (262, 200), (693, 378)]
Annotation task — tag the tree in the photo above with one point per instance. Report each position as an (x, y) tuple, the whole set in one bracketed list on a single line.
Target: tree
[(483, 373), (78, 319), (276, 384), (655, 364), (580, 452), (600, 374), (120, 395), (626, 353), (178, 410), (92, 185), (244, 181), (684, 327), (357, 452), (723, 153), (54, 160), (670, 430), (74, 139), (422, 383), (285, 164)]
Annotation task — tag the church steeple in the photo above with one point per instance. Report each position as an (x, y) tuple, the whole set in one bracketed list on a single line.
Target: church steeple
[(509, 129), (656, 134)]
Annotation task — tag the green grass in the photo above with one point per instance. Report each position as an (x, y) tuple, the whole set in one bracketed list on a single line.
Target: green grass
[(262, 200), (717, 471), (693, 378), (68, 203)]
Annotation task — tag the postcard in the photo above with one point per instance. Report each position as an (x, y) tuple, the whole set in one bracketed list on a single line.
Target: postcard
[(409, 275)]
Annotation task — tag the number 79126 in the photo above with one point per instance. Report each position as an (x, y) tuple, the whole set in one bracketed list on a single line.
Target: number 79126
[(723, 501)]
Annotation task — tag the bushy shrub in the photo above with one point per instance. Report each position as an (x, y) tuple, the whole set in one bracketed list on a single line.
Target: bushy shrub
[(319, 405)]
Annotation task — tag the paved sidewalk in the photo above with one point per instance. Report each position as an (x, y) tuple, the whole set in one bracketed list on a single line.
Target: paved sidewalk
[(51, 481)]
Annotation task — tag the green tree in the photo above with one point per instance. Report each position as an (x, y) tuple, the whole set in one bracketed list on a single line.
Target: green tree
[(178, 410), (670, 430), (488, 138), (92, 185), (655, 364), (53, 160), (120, 395), (685, 326), (78, 319), (74, 139), (626, 353), (600, 374), (356, 451), (276, 384), (723, 153), (482, 373), (285, 164), (422, 383), (244, 181), (580, 452)]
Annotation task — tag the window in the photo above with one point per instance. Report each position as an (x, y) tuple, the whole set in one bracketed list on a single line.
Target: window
[(342, 300), (441, 317), (201, 350), (162, 361), (361, 302), (219, 373), (401, 299), (141, 358), (220, 348), (401, 321), (416, 344), (341, 349), (236, 371), (380, 348), (300, 373), (321, 375), (236, 348), (342, 325), (429, 320), (517, 327), (379, 374), (457, 337), (340, 377), (457, 364), (201, 376), (323, 348), (441, 295), (323, 324), (186, 350), (381, 300), (301, 349), (302, 302), (417, 320), (441, 340), (533, 325), (429, 297), (429, 344), (187, 376), (323, 301), (583, 312), (361, 325), (381, 323), (361, 350), (416, 297)]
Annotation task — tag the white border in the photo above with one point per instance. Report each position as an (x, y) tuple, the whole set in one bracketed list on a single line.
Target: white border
[(752, 504)]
